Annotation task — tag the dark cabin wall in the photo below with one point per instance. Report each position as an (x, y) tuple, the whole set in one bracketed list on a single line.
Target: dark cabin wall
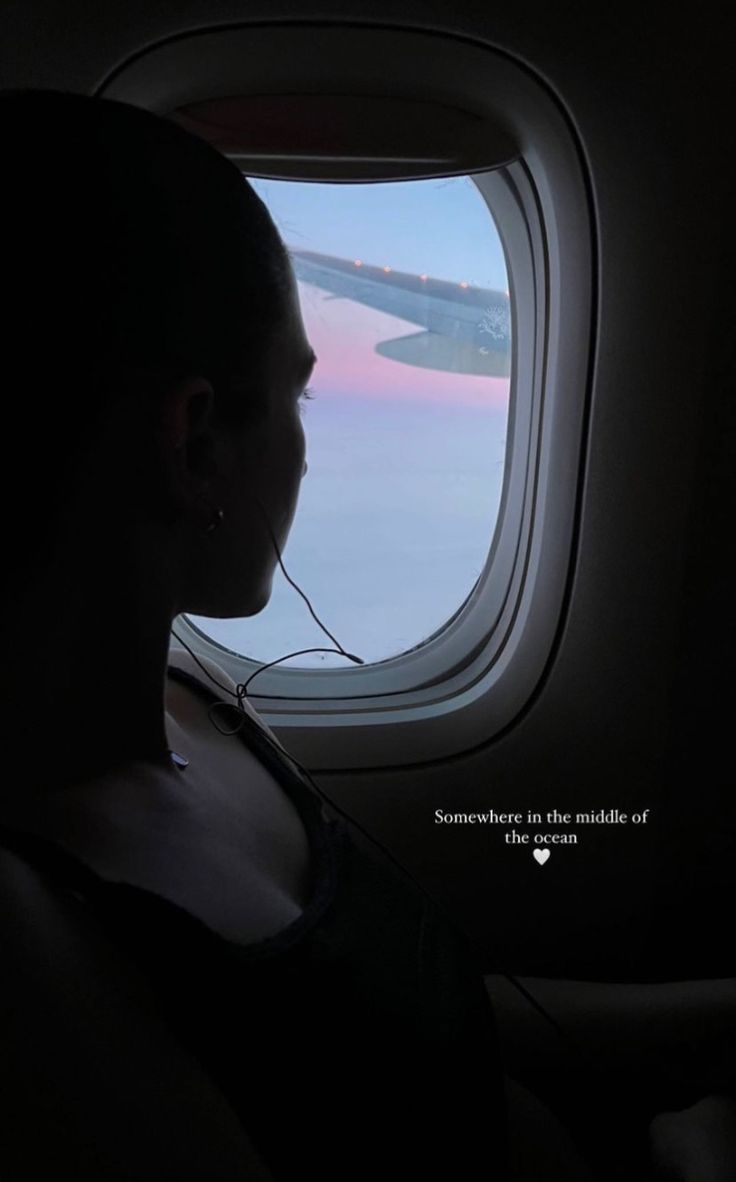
[(636, 705)]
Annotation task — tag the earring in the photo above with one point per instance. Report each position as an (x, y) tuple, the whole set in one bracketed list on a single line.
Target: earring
[(216, 521)]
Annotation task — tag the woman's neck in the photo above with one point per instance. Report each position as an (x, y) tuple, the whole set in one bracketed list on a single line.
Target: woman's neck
[(84, 678)]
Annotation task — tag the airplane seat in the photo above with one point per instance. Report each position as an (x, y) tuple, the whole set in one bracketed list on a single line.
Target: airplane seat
[(630, 1053), (582, 1134), (541, 1145)]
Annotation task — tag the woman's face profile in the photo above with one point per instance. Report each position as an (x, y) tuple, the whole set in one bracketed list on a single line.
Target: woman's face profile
[(260, 469)]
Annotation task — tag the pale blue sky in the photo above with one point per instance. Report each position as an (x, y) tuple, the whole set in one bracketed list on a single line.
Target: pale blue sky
[(440, 227)]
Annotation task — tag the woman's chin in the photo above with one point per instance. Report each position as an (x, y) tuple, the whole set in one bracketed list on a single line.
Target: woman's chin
[(229, 604), (260, 601)]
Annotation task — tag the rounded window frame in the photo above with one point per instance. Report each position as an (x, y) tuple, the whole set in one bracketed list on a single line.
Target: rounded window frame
[(474, 676)]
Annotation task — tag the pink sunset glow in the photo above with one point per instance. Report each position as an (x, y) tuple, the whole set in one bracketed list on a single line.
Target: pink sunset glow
[(344, 336)]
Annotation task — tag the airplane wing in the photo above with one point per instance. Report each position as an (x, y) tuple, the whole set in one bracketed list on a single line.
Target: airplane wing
[(466, 329)]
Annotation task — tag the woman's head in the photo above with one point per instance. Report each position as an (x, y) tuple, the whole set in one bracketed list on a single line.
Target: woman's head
[(154, 338)]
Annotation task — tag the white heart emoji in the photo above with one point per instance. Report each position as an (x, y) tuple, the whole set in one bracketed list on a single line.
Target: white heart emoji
[(541, 856)]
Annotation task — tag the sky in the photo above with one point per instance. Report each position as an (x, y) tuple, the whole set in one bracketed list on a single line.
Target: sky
[(438, 227), (397, 511)]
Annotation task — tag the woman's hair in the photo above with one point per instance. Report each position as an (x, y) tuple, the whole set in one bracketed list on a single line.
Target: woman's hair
[(133, 254)]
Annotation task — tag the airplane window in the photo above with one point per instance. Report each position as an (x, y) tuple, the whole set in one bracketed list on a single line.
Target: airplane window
[(404, 294)]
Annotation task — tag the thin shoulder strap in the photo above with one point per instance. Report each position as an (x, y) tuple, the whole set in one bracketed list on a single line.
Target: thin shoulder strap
[(46, 854), (256, 738)]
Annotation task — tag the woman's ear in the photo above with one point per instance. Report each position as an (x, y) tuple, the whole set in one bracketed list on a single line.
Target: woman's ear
[(185, 430)]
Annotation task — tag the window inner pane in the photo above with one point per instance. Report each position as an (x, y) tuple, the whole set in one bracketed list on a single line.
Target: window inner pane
[(404, 294)]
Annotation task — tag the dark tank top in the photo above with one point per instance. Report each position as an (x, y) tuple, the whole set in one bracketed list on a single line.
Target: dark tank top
[(356, 1043)]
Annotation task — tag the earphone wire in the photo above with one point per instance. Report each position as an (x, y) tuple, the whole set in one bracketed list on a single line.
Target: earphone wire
[(288, 578), (241, 693)]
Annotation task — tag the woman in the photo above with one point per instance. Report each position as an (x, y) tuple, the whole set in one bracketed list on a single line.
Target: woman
[(205, 976)]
